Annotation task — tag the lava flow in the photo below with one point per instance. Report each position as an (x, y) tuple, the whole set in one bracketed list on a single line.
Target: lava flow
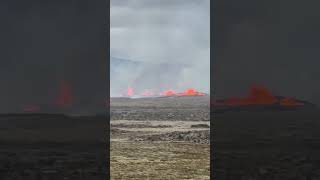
[(65, 96), (191, 92), (130, 91), (170, 92), (188, 92), (259, 95)]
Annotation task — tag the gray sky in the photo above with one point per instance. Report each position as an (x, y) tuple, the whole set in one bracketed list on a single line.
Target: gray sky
[(164, 31)]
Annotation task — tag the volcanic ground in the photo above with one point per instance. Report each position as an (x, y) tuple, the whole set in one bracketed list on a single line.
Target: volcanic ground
[(270, 145), (160, 138), (52, 146)]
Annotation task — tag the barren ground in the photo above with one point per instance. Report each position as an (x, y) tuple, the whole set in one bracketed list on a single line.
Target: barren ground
[(279, 145), (160, 138), (52, 146)]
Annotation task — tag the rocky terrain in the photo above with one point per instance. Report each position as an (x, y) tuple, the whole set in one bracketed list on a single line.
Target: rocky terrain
[(160, 138)]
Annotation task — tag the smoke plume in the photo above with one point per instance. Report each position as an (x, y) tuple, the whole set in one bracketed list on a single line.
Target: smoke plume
[(163, 45)]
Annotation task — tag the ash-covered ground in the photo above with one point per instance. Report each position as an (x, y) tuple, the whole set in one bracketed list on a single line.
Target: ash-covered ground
[(267, 145), (52, 146), (160, 138)]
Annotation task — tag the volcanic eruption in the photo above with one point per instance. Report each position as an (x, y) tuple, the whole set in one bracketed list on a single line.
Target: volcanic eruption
[(166, 93), (259, 97), (65, 96)]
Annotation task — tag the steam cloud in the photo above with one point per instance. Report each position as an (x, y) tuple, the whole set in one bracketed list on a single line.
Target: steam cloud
[(163, 44)]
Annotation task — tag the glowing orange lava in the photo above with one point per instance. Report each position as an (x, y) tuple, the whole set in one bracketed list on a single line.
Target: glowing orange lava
[(65, 96), (188, 92), (191, 92), (289, 102), (130, 91), (168, 93), (149, 93)]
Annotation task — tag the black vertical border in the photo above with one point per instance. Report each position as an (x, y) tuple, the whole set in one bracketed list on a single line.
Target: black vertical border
[(212, 48), (107, 41)]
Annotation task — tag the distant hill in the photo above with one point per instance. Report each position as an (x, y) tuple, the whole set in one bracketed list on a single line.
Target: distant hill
[(119, 62), (116, 62)]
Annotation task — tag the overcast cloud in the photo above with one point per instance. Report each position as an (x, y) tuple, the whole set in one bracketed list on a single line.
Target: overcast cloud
[(164, 31)]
